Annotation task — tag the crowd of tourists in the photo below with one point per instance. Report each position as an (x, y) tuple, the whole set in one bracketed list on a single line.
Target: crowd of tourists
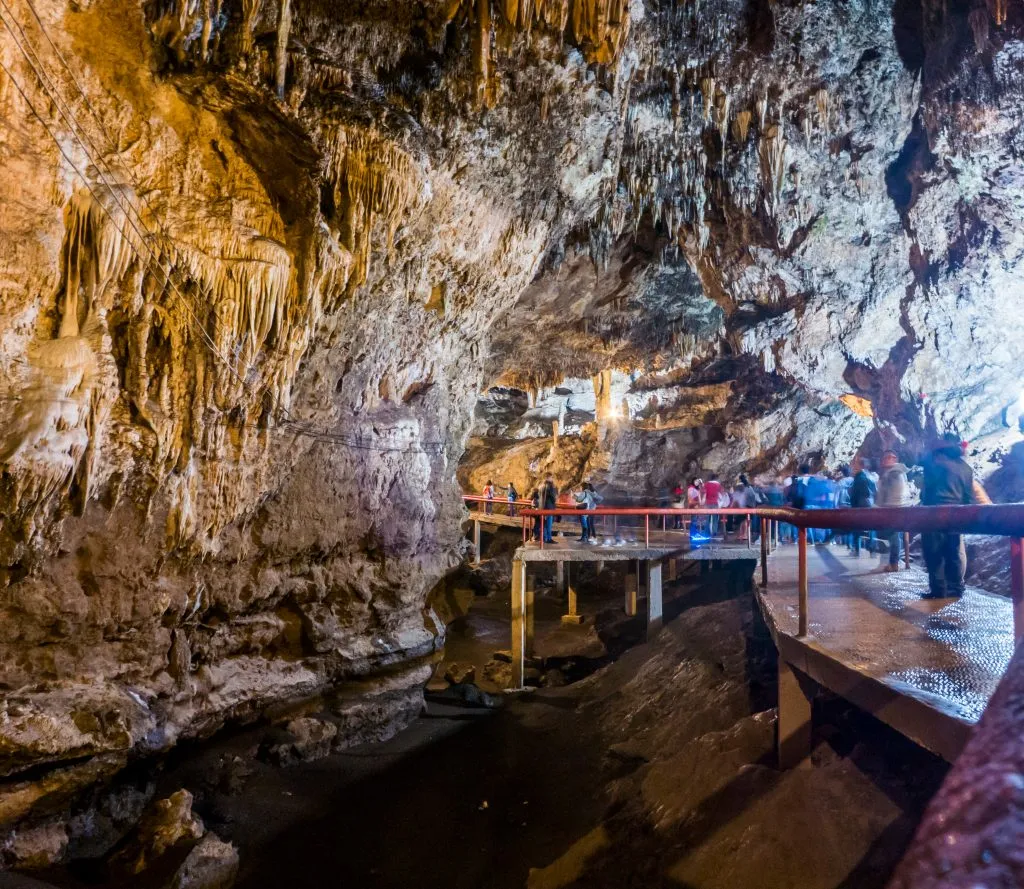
[(942, 476)]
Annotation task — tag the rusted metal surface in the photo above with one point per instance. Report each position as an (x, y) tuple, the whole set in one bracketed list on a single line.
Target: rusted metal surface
[(972, 834)]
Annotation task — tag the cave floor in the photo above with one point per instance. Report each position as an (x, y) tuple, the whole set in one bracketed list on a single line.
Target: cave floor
[(651, 771), (656, 770)]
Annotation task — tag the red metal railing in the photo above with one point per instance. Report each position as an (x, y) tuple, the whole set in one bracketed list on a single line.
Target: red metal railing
[(1003, 520)]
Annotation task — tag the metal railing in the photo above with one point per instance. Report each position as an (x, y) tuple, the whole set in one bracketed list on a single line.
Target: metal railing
[(1001, 520), (498, 505)]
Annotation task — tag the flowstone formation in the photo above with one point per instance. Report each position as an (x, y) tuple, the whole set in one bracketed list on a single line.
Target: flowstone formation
[(260, 258)]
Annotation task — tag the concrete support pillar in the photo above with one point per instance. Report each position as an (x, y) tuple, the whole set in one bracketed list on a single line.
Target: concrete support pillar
[(671, 569), (795, 695), (631, 594), (764, 555), (654, 601), (573, 616), (476, 541), (560, 578), (518, 623), (528, 614)]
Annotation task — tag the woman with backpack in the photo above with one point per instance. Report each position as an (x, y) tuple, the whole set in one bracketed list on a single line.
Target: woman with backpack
[(513, 496)]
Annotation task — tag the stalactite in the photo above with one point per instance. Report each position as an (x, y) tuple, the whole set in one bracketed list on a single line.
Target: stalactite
[(979, 21), (722, 118), (249, 10), (284, 25), (741, 126), (707, 90), (1000, 10), (374, 180), (823, 107), (772, 157)]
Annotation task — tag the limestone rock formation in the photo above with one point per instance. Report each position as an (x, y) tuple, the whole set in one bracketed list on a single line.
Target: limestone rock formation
[(259, 259)]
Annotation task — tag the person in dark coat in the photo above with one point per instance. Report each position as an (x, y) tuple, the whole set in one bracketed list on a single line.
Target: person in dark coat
[(948, 481), (862, 496), (549, 500)]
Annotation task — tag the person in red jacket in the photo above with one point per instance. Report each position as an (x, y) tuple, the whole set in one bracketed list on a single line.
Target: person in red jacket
[(712, 500)]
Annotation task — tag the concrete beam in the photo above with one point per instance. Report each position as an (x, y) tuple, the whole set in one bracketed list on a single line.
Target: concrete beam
[(794, 725)]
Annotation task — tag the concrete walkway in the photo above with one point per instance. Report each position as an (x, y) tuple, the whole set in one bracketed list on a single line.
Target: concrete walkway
[(925, 666)]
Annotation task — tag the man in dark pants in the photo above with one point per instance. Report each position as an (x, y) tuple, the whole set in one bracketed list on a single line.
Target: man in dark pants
[(549, 500), (948, 480), (862, 496)]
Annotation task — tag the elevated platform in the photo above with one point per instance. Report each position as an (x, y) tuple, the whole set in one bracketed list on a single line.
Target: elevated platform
[(926, 667), (660, 545)]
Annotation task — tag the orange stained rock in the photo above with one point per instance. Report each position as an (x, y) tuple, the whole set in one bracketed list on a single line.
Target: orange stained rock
[(860, 406)]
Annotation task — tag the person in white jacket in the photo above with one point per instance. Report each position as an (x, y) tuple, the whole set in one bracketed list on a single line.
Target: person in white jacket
[(893, 490)]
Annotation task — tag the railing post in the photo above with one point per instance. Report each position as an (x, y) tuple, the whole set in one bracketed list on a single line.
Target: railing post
[(647, 530), (801, 537), (764, 555), (1017, 586), (750, 521), (518, 623)]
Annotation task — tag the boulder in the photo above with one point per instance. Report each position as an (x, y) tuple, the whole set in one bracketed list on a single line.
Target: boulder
[(169, 824), (36, 847), (303, 740), (457, 674), (212, 864)]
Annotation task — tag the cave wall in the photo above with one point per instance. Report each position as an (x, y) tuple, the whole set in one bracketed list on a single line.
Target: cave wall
[(251, 253)]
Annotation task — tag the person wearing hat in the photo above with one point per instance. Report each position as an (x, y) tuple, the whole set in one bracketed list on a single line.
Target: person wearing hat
[(948, 481)]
